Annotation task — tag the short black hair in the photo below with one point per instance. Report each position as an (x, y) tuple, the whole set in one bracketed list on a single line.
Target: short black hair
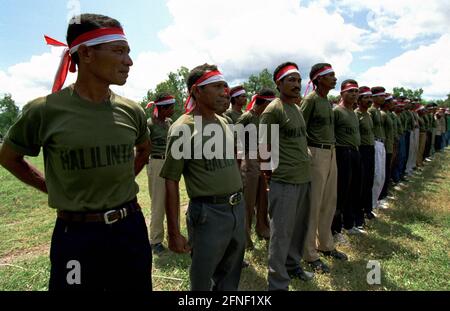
[(196, 74), (264, 92), (315, 69), (162, 95), (277, 70), (83, 23), (377, 89)]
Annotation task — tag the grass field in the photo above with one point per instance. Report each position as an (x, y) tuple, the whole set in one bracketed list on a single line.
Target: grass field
[(410, 240)]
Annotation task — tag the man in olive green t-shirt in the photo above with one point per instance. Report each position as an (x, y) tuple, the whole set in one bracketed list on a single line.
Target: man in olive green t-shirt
[(319, 119), (349, 213), (366, 149), (216, 213), (255, 187), (238, 101), (388, 125), (94, 143), (378, 94), (289, 193), (158, 125)]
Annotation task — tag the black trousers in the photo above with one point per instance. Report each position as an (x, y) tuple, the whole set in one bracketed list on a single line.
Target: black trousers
[(427, 151), (387, 179), (368, 170), (349, 211), (94, 256), (438, 143)]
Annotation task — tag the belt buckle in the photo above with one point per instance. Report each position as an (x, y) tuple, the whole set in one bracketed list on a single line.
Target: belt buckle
[(106, 217), (235, 199)]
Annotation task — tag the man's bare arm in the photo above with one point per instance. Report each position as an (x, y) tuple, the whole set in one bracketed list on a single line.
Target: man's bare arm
[(22, 169), (141, 158), (177, 242)]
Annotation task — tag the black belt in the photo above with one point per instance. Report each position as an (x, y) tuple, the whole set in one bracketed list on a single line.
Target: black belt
[(379, 140), (108, 217), (158, 156), (348, 147), (232, 199), (321, 146)]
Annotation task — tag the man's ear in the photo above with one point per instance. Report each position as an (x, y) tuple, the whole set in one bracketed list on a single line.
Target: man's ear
[(85, 54), (195, 90)]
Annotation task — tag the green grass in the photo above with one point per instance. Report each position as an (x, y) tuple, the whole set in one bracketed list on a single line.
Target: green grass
[(410, 240)]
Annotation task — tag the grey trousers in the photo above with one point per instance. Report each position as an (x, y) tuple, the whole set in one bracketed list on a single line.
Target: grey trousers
[(217, 237), (289, 206)]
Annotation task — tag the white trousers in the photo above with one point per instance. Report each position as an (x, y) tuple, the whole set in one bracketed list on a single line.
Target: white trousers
[(380, 172), (412, 155)]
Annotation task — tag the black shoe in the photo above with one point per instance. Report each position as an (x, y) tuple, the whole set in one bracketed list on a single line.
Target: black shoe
[(319, 266), (300, 274), (335, 254), (158, 248), (371, 216)]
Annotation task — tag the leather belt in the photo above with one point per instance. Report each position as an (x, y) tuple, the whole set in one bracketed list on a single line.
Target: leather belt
[(321, 146), (108, 217), (232, 199), (158, 156)]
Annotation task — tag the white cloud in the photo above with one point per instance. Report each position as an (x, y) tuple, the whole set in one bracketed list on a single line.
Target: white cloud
[(403, 20), (242, 37), (427, 67)]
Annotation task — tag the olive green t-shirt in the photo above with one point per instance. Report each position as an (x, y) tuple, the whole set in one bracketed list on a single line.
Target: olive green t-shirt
[(394, 124), (319, 119), (249, 117), (294, 159), (422, 124), (365, 128), (158, 135), (400, 128), (233, 115), (207, 174), (88, 148), (409, 120), (378, 129), (346, 127), (386, 121)]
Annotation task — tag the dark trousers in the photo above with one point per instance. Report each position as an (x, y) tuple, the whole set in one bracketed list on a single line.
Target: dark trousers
[(387, 180), (368, 170), (407, 141), (101, 257), (349, 211), (217, 236), (438, 143), (400, 159), (427, 151)]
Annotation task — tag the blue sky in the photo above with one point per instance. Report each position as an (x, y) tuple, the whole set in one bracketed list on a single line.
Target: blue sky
[(375, 41), (23, 24)]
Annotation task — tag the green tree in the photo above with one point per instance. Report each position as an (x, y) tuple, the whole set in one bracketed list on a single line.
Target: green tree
[(8, 113), (256, 82), (444, 103), (401, 91), (175, 84)]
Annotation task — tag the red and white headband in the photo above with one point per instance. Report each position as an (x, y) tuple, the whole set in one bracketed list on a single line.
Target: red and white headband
[(168, 100), (238, 93), (207, 78), (286, 71), (369, 92), (324, 71), (349, 86), (255, 97), (90, 38), (379, 94)]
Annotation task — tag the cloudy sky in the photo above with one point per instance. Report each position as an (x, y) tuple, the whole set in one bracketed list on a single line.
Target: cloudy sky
[(377, 42)]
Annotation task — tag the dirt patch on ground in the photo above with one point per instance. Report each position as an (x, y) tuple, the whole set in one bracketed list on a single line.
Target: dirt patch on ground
[(18, 255)]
